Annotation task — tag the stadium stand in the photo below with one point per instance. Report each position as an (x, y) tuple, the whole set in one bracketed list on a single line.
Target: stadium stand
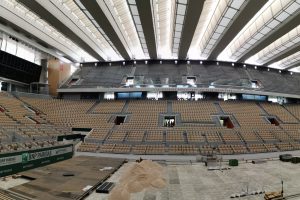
[(142, 132), (206, 75), (104, 76)]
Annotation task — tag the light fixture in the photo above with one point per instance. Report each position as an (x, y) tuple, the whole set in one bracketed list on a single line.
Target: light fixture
[(146, 62), (175, 62)]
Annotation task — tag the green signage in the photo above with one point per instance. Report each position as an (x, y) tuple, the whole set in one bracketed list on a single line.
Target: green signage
[(11, 163)]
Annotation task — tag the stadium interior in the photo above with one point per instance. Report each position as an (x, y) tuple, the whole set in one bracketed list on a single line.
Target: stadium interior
[(149, 99)]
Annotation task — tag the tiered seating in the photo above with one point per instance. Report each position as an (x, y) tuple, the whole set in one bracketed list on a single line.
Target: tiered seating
[(118, 135), (293, 130), (21, 146), (99, 134), (257, 148), (174, 136), (266, 135), (213, 137), (144, 114), (107, 148), (109, 107), (135, 135), (285, 146), (88, 147), (225, 149), (139, 149), (270, 147), (194, 136), (206, 150), (279, 111), (122, 148), (69, 112), (230, 136), (142, 132), (281, 135), (239, 149), (194, 111), (294, 109), (4, 196), (248, 135), (182, 149), (154, 136), (295, 145), (156, 149)]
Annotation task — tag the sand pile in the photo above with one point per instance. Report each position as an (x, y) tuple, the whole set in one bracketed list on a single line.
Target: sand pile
[(140, 176)]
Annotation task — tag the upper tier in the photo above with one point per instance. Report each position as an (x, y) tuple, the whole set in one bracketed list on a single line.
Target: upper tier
[(220, 76)]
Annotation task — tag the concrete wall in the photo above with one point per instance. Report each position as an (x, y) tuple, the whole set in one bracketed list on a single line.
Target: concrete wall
[(57, 73)]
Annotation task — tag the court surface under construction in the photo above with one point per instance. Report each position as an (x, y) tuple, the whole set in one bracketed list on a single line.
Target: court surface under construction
[(70, 179)]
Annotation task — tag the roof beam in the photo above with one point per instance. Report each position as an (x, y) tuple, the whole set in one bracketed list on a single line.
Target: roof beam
[(99, 16), (243, 18), (283, 55), (56, 23), (282, 30), (293, 66), (21, 24), (25, 36), (297, 64), (194, 10), (146, 17)]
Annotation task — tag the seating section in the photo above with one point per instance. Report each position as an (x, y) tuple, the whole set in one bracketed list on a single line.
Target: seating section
[(294, 109), (109, 107), (28, 145), (279, 111), (5, 196), (276, 82), (208, 74), (103, 76), (197, 131), (195, 111)]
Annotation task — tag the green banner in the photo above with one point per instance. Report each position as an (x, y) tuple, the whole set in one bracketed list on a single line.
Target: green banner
[(11, 163)]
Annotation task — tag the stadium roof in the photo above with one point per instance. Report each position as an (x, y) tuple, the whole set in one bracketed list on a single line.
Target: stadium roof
[(259, 32)]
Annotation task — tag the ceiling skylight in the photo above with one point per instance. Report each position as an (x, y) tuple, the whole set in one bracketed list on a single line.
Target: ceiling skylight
[(125, 25), (137, 21), (164, 13), (267, 20), (181, 7), (68, 47), (287, 62), (286, 42)]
